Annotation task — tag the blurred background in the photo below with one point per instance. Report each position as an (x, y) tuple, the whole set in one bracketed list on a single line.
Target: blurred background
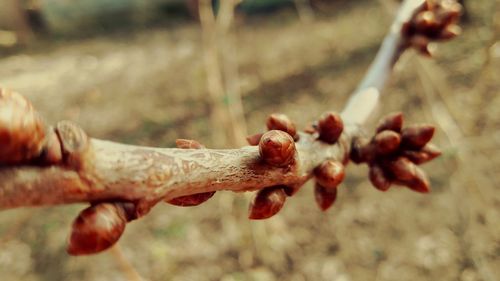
[(148, 72)]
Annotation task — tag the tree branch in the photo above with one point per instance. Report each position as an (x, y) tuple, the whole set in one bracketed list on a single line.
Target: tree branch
[(113, 171), (41, 165)]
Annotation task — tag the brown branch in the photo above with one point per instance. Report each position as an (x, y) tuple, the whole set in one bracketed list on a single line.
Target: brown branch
[(417, 23), (365, 99), (113, 171), (61, 165)]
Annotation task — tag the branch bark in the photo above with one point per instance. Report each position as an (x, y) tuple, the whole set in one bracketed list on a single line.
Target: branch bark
[(112, 171)]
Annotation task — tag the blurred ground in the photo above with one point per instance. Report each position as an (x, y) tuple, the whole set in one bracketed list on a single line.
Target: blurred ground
[(148, 87)]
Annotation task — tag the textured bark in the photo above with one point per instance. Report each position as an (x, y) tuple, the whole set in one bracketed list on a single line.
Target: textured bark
[(112, 171)]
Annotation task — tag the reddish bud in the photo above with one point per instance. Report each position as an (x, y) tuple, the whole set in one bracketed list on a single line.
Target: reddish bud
[(401, 169), (426, 154), (378, 178), (330, 127), (419, 183), (450, 31), (254, 139), (21, 129), (432, 150), (386, 142), (188, 144), (391, 122), (281, 122), (361, 150), (267, 203), (416, 137), (434, 21), (325, 197), (96, 229), (329, 174), (277, 148), (191, 200)]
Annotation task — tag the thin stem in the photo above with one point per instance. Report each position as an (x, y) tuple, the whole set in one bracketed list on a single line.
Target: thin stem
[(365, 98), (111, 171), (114, 171)]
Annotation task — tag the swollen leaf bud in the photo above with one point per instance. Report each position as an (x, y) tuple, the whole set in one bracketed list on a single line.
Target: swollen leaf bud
[(21, 129), (386, 142), (426, 21), (416, 137), (329, 174), (378, 178), (191, 200), (426, 154), (450, 12), (391, 122), (419, 183), (97, 228), (267, 203), (281, 122), (401, 168), (325, 197), (450, 31), (330, 127), (277, 148), (254, 139)]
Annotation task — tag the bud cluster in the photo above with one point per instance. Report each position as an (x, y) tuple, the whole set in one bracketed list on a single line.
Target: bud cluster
[(436, 20), (277, 148), (394, 153)]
